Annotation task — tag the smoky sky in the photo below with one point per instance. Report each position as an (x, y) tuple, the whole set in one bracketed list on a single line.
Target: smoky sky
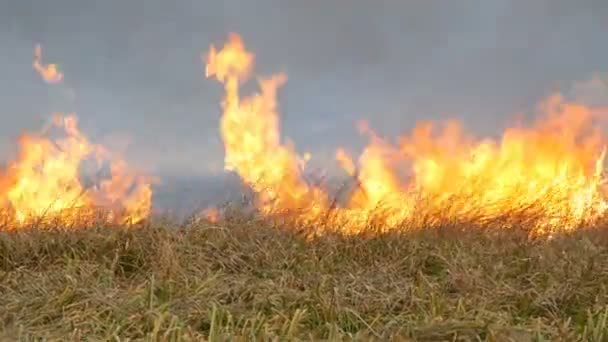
[(134, 75)]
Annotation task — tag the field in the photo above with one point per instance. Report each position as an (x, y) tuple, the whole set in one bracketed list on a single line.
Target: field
[(245, 279)]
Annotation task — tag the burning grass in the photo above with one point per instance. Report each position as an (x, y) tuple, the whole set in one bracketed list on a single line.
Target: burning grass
[(553, 169), (444, 236), (246, 278), (556, 165), (46, 181)]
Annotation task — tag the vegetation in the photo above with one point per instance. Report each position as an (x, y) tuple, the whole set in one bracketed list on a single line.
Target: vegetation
[(245, 280)]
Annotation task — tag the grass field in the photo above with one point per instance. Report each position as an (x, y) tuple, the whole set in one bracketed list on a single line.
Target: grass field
[(245, 280)]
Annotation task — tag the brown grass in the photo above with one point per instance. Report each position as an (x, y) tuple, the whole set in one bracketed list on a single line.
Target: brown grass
[(247, 280)]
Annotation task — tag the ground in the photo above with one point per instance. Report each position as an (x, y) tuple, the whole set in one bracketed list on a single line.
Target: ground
[(244, 280)]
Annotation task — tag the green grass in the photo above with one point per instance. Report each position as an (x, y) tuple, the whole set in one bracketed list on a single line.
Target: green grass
[(245, 280)]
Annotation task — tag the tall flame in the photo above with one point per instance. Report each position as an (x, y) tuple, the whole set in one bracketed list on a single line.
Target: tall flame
[(551, 170), (250, 130)]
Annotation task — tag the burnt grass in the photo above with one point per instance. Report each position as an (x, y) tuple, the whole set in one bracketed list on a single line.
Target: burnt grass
[(248, 280)]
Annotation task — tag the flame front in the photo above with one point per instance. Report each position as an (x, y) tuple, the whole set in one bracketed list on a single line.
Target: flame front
[(44, 181), (551, 171)]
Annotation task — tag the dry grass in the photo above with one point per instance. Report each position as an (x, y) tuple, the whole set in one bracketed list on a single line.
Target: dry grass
[(246, 280)]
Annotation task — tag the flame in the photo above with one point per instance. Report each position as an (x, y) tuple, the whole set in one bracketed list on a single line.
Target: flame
[(44, 181), (211, 215), (551, 170), (250, 131), (554, 167), (49, 73)]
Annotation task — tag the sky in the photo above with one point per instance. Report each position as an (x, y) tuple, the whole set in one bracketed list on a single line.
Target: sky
[(134, 76)]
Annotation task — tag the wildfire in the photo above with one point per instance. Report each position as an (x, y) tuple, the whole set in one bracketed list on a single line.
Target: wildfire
[(44, 182), (550, 171)]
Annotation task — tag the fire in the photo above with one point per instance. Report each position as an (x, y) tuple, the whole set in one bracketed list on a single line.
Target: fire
[(44, 181), (250, 130), (553, 168), (49, 72), (551, 171), (212, 215)]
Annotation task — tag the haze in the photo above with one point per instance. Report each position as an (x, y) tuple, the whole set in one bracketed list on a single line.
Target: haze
[(133, 71)]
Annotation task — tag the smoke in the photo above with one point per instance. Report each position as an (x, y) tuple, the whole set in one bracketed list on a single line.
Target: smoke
[(136, 71), (593, 91)]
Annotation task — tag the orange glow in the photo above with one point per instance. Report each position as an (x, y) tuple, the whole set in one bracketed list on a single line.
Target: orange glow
[(550, 171), (49, 73), (43, 184), (44, 181), (212, 215), (250, 130)]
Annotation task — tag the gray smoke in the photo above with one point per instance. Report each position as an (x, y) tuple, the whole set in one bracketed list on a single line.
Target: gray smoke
[(136, 72)]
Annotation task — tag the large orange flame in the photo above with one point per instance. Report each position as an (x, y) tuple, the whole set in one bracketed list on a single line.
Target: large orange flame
[(44, 182), (551, 170), (250, 130)]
